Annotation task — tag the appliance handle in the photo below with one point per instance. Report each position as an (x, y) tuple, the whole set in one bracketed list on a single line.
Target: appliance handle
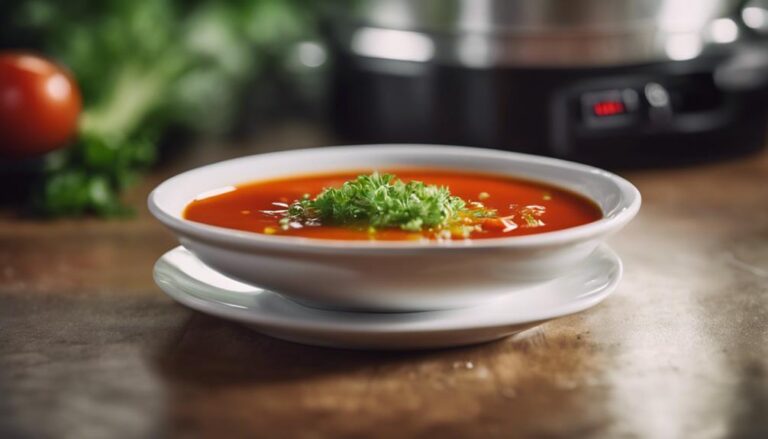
[(745, 71)]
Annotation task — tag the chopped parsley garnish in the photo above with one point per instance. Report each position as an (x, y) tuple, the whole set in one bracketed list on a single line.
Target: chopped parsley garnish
[(384, 201)]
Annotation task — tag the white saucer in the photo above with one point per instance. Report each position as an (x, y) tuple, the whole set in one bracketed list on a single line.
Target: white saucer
[(192, 283)]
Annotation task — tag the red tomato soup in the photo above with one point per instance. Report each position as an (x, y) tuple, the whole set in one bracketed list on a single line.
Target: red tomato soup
[(251, 206)]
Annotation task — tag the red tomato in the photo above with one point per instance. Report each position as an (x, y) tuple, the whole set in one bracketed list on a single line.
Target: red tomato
[(39, 105)]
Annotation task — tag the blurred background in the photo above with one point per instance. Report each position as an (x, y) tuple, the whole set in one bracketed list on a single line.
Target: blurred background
[(621, 83)]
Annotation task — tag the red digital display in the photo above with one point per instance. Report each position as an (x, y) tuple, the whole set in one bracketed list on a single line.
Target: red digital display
[(608, 108)]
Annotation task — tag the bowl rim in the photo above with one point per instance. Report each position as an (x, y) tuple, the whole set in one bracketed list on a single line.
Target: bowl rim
[(629, 205)]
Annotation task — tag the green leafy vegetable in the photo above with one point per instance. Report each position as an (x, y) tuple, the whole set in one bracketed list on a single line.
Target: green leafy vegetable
[(383, 201), (144, 66), (89, 176)]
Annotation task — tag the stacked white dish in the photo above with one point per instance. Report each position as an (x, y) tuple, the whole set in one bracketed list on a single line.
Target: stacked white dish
[(397, 295)]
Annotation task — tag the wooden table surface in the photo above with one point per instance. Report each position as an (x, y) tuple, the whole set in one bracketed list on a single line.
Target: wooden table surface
[(91, 348)]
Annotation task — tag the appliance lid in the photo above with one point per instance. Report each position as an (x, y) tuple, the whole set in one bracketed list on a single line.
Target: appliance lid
[(488, 33)]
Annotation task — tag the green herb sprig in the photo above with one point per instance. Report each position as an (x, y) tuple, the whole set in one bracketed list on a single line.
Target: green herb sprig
[(383, 201)]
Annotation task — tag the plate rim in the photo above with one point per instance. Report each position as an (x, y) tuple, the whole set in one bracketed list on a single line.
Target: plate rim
[(267, 320)]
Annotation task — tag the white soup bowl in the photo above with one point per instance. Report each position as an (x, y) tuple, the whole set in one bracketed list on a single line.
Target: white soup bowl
[(394, 276)]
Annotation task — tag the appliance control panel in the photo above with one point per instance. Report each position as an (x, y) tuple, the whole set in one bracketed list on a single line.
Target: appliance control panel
[(610, 108), (624, 118), (646, 105)]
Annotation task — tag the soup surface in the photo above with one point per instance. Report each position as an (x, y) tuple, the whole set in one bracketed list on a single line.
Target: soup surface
[(521, 207)]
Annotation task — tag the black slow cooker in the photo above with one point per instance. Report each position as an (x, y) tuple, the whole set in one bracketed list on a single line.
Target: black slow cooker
[(609, 82)]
